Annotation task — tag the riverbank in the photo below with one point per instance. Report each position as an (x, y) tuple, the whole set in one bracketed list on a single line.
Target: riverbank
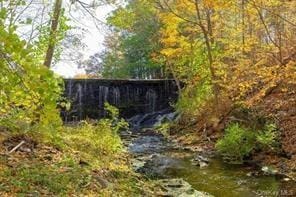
[(193, 142), (81, 161), (189, 169), (275, 104)]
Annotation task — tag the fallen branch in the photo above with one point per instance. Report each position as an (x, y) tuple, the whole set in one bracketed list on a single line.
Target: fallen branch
[(16, 147)]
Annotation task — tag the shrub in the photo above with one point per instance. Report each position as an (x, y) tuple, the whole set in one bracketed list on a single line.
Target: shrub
[(239, 141), (113, 117), (267, 138)]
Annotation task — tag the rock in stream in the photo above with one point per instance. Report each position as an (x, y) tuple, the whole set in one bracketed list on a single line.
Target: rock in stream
[(179, 188)]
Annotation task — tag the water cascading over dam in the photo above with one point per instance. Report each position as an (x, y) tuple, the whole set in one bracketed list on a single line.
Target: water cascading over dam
[(131, 97)]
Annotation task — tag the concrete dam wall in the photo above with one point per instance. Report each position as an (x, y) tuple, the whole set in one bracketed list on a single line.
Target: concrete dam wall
[(131, 97)]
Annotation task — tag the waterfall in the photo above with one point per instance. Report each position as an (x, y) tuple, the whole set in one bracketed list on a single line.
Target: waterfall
[(116, 96), (137, 95), (132, 97), (127, 94), (106, 92), (91, 89), (80, 104), (103, 97), (151, 97)]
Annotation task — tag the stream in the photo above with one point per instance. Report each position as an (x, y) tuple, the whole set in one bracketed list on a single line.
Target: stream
[(185, 173)]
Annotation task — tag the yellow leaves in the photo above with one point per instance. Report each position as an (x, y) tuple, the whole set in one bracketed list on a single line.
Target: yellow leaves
[(174, 44), (170, 20), (214, 3), (272, 3), (244, 57), (3, 111), (170, 40), (171, 52)]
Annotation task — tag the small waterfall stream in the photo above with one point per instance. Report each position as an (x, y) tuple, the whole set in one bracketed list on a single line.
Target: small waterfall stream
[(151, 97), (182, 172), (131, 97), (116, 96), (146, 104), (80, 104)]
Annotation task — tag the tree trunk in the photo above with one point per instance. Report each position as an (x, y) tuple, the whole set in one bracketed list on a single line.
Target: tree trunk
[(243, 24), (178, 84), (209, 51), (53, 33)]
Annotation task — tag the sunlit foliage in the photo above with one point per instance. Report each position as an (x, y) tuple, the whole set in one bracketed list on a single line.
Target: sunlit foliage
[(239, 141), (215, 50), (29, 91)]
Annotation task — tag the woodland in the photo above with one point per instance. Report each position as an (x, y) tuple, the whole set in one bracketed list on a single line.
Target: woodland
[(233, 62)]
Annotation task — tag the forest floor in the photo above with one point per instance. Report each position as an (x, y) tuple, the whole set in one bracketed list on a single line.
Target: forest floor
[(281, 103), (39, 168)]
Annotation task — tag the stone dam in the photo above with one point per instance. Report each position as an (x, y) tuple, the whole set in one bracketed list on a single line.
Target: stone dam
[(131, 97)]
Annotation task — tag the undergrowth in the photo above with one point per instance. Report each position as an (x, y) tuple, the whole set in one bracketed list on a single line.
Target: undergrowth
[(84, 159), (93, 140), (240, 141)]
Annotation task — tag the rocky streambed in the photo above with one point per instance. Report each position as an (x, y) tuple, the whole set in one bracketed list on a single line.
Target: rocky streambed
[(181, 172)]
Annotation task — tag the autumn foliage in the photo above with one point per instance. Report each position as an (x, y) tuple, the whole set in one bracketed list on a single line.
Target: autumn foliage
[(223, 54)]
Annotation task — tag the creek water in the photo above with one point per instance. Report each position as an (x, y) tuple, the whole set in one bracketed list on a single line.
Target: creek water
[(159, 158)]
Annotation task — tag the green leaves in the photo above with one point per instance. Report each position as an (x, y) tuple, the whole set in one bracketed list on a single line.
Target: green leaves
[(3, 12), (122, 19), (29, 91), (268, 137), (133, 41), (239, 141)]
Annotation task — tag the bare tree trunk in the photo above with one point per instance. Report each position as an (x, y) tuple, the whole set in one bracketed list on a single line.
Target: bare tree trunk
[(269, 34), (53, 33)]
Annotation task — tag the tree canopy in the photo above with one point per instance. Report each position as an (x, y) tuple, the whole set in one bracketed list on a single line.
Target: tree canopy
[(218, 49)]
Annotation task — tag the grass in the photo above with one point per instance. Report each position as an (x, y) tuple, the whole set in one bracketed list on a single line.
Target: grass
[(40, 179), (84, 160)]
